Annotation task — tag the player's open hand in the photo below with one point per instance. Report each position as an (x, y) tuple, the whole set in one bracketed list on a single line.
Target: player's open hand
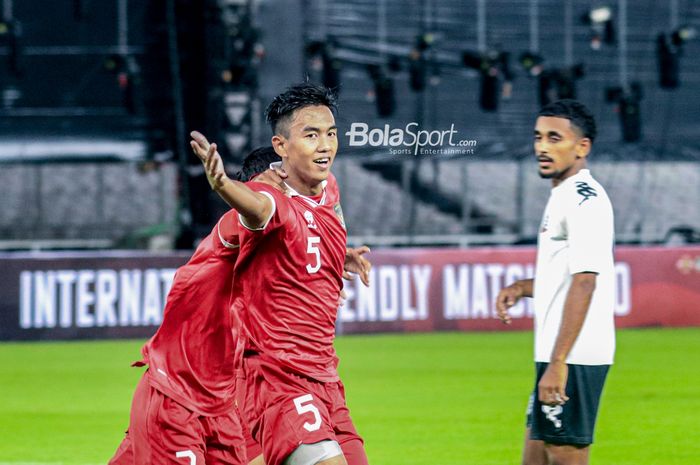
[(357, 264), (274, 177), (508, 297), (213, 165), (551, 390)]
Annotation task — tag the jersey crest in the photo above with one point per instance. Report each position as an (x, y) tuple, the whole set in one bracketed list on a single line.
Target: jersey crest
[(585, 191), (310, 222), (339, 213)]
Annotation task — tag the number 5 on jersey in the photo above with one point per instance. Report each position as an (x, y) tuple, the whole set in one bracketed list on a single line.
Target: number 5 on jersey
[(304, 405), (312, 248)]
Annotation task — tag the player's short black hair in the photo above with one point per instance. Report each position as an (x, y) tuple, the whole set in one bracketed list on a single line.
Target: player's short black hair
[(279, 112), (256, 162), (576, 112)]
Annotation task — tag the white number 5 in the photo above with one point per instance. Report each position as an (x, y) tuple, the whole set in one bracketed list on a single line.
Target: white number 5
[(313, 249), (302, 409)]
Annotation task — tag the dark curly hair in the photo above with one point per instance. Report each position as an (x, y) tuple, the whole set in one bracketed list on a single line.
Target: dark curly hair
[(576, 112), (279, 112), (256, 162)]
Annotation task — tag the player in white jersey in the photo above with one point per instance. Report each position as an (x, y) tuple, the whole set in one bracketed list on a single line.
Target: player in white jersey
[(573, 290)]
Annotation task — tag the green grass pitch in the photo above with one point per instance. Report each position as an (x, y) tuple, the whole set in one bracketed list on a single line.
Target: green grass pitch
[(454, 398)]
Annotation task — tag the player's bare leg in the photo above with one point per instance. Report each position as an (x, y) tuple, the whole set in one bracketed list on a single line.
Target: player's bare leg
[(257, 460), (567, 454), (534, 452)]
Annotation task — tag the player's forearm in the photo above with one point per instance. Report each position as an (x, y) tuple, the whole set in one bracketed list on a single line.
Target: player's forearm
[(252, 206), (578, 299), (526, 286)]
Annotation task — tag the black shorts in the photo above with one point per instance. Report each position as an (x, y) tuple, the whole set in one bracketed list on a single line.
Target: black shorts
[(573, 422)]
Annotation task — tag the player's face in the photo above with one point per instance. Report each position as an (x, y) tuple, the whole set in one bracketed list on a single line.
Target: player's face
[(560, 148), (310, 146)]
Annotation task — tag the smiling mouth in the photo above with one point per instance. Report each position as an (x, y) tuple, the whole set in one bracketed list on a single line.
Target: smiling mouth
[(322, 161)]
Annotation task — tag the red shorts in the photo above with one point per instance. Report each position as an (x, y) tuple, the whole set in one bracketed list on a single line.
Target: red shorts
[(252, 447), (161, 431), (283, 410)]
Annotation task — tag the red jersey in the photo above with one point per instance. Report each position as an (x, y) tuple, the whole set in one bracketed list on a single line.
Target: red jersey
[(288, 280), (191, 357)]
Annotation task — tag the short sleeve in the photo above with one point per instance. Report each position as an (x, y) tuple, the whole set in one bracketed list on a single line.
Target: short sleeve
[(227, 229), (280, 207), (589, 221)]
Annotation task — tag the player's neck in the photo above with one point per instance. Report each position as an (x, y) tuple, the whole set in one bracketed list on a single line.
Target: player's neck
[(573, 170), (303, 188)]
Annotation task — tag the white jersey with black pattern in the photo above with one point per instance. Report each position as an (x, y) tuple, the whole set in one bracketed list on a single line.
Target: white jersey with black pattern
[(576, 235)]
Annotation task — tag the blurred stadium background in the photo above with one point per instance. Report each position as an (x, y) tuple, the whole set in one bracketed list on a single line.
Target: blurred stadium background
[(96, 102), (98, 99)]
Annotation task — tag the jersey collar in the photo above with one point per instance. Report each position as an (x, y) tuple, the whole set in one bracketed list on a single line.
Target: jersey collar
[(583, 172), (292, 193)]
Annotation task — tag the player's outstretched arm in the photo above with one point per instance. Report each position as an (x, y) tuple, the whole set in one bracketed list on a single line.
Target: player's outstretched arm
[(552, 385), (357, 264), (510, 296), (255, 208)]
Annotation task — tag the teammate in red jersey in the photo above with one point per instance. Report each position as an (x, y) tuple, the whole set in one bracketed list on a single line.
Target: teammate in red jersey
[(183, 407), (288, 279)]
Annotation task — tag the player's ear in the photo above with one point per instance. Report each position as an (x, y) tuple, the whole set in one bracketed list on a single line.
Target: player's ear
[(279, 143), (583, 147)]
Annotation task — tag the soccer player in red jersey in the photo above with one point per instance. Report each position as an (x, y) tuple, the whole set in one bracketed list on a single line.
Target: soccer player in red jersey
[(183, 409), (288, 279)]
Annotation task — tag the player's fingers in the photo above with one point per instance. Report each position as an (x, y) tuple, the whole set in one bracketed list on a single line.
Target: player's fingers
[(213, 172), (275, 177), (362, 250), (364, 277), (560, 395), (213, 156), (556, 399), (280, 172), (348, 276), (200, 139), (201, 154), (210, 163), (549, 395), (366, 266), (209, 155), (501, 304), (278, 180)]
